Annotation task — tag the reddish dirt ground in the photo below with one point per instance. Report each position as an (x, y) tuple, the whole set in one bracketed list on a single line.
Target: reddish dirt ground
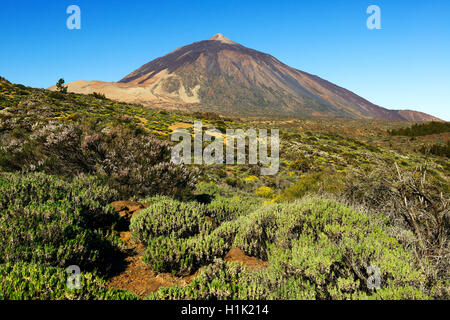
[(251, 263), (138, 278)]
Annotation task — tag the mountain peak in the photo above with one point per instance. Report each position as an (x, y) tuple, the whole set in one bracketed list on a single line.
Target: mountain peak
[(222, 76), (220, 37)]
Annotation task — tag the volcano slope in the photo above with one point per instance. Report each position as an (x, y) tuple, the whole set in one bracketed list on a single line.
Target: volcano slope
[(225, 77)]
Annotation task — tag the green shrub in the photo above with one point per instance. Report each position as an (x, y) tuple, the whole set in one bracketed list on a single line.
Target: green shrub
[(208, 188), (226, 209), (182, 256), (57, 95), (46, 220), (127, 160), (255, 232), (313, 183), (317, 249), (306, 185), (23, 281), (422, 129), (169, 254), (264, 192), (441, 150), (304, 164), (415, 203), (329, 245), (85, 192), (169, 217), (218, 281), (214, 189), (179, 239), (99, 95), (233, 182), (227, 231)]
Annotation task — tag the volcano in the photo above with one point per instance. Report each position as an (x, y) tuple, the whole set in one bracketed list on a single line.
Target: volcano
[(222, 76)]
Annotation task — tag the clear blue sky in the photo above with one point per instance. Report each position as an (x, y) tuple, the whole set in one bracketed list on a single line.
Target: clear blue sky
[(405, 65)]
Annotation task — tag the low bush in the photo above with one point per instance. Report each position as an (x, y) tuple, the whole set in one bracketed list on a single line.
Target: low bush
[(317, 249), (169, 217), (256, 231), (182, 256), (180, 239), (24, 281), (313, 183), (86, 193), (218, 281), (415, 203), (422, 129), (225, 209), (99, 95), (304, 164), (127, 160), (227, 231), (46, 220), (264, 192), (441, 150), (215, 190)]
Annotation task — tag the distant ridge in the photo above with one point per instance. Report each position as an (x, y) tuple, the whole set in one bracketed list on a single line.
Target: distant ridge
[(222, 76)]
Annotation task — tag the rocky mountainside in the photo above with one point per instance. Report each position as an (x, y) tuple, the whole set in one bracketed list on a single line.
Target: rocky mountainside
[(223, 76)]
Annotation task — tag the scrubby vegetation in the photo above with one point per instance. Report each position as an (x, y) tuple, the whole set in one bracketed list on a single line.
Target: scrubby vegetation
[(349, 198), (441, 150), (168, 217), (316, 249), (183, 256), (60, 86), (422, 129), (49, 221), (129, 162), (24, 281)]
